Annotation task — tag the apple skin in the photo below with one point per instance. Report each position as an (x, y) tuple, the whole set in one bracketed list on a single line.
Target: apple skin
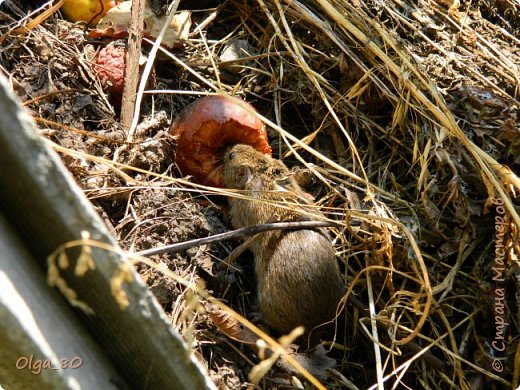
[(85, 10)]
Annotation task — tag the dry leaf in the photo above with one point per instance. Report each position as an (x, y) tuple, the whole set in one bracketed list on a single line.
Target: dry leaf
[(231, 327), (116, 23)]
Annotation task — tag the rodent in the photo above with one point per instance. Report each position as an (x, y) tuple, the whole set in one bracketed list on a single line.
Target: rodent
[(298, 278)]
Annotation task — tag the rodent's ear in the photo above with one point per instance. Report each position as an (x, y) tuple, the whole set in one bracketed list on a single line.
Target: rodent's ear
[(243, 176), (277, 171)]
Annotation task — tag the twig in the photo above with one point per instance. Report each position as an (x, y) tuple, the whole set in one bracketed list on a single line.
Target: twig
[(148, 68), (135, 37), (239, 250), (242, 232)]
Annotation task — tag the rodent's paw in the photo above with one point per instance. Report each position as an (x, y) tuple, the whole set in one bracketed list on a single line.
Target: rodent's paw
[(304, 177)]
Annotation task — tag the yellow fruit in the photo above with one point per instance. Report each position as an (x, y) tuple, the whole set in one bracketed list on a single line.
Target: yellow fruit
[(86, 10)]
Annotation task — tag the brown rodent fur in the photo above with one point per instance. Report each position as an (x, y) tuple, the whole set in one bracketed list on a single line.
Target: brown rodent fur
[(299, 282)]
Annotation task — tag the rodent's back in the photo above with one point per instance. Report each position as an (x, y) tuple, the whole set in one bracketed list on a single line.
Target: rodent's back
[(300, 283)]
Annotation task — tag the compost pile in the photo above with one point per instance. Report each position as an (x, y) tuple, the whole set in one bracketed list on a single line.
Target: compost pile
[(402, 115)]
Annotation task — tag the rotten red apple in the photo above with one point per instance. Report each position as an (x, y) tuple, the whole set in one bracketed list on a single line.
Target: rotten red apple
[(110, 68), (206, 127)]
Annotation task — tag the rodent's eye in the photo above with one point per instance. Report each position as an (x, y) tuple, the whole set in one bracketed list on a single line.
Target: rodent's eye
[(231, 155)]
